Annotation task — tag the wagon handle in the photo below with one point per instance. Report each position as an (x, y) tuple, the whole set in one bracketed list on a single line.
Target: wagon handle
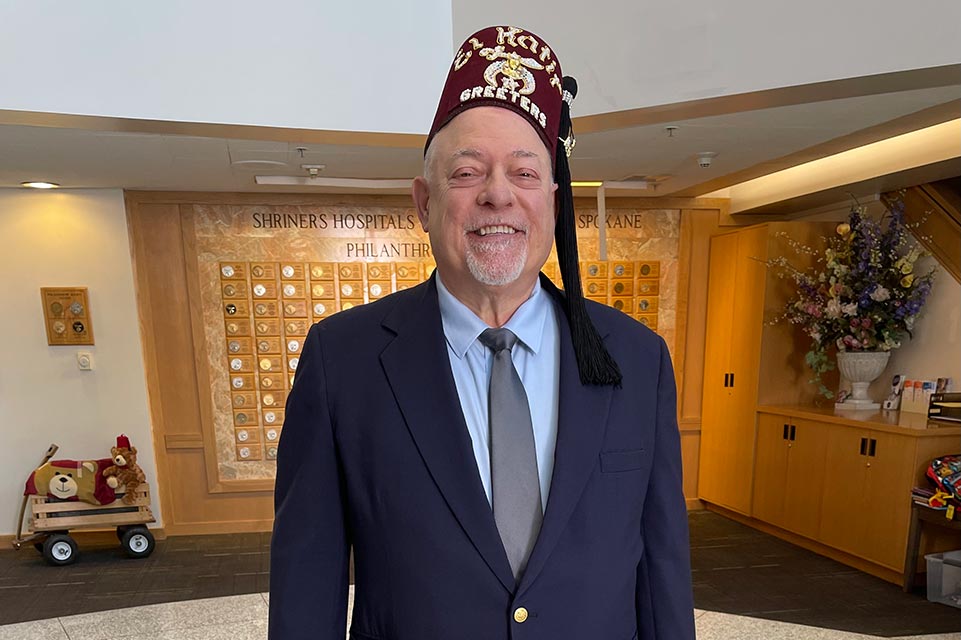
[(51, 451)]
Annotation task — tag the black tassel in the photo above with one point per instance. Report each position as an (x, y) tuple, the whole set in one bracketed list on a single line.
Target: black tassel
[(595, 364)]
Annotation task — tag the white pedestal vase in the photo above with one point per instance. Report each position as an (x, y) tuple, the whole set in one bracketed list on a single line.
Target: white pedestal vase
[(861, 368)]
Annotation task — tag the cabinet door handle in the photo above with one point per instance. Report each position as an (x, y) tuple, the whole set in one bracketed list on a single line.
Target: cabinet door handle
[(864, 446), (873, 447), (726, 380), (785, 432), (732, 379), (793, 431)]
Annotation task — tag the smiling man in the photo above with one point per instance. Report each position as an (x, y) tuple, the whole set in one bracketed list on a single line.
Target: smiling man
[(501, 457), (487, 202)]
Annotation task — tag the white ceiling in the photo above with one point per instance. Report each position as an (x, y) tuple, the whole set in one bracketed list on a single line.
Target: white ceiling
[(744, 140)]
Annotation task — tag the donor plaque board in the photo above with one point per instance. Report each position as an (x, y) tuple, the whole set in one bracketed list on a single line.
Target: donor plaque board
[(267, 273), (268, 308), (66, 314)]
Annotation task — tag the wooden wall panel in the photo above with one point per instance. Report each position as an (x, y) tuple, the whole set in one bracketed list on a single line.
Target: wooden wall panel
[(160, 267), (697, 227), (690, 450), (192, 500), (782, 374)]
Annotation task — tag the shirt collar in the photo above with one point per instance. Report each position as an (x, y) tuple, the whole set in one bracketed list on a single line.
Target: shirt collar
[(462, 326)]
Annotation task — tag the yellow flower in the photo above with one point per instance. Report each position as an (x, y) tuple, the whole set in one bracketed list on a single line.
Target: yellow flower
[(907, 280), (844, 229), (907, 267)]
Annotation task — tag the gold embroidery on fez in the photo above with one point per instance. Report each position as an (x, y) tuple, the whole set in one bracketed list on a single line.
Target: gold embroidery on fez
[(461, 59), (556, 82), (513, 67), (509, 35), (528, 42)]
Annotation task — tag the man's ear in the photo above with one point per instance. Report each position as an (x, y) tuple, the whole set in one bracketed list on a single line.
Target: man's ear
[(421, 194)]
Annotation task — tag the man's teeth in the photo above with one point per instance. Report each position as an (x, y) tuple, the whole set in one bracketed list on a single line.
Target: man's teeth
[(483, 231)]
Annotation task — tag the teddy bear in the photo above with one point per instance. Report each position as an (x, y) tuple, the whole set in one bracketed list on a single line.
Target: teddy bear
[(124, 470), (71, 480)]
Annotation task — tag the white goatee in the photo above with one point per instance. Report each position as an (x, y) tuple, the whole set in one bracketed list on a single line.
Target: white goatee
[(494, 266)]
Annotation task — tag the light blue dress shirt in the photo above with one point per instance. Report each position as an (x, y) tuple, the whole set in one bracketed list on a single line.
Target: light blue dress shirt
[(536, 357)]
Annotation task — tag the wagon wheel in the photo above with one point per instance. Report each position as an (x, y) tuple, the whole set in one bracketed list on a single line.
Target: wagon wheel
[(122, 530), (60, 549), (137, 542)]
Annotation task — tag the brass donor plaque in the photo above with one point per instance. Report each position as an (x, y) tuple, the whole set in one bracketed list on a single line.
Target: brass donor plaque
[(66, 313)]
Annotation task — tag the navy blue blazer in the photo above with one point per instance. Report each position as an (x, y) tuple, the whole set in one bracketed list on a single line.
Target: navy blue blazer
[(375, 456)]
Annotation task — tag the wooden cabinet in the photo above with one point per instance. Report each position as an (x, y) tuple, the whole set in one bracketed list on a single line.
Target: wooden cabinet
[(845, 471), (789, 473), (765, 451), (844, 480), (743, 295), (724, 465), (868, 480)]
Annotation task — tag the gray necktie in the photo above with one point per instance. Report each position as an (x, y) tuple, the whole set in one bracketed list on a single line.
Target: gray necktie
[(515, 486)]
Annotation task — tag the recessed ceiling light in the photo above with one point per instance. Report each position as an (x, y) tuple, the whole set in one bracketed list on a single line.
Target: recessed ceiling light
[(37, 184)]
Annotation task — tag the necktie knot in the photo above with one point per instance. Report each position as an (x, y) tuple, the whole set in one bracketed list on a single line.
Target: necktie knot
[(498, 339)]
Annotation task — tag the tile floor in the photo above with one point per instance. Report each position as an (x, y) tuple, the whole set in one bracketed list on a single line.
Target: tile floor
[(747, 586), (741, 571), (245, 618)]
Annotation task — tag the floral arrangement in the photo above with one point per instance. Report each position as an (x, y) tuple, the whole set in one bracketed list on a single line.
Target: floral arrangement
[(863, 293)]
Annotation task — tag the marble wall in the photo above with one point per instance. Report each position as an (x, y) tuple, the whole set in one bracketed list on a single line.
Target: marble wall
[(348, 233), (640, 234)]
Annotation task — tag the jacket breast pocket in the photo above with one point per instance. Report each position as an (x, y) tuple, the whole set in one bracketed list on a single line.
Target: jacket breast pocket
[(617, 461)]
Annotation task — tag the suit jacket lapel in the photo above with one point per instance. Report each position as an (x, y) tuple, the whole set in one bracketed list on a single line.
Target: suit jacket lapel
[(417, 360), (581, 423)]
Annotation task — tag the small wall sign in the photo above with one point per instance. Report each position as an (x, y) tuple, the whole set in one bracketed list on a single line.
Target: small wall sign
[(66, 312)]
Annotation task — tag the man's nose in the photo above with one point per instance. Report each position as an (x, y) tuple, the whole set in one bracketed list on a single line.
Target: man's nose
[(498, 191)]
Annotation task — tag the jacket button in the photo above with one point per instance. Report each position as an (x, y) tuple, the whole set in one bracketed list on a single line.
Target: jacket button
[(520, 614)]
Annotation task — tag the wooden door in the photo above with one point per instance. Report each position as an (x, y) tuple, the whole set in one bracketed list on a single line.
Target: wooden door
[(747, 322), (843, 518), (750, 282), (805, 477), (716, 464), (887, 497), (770, 468)]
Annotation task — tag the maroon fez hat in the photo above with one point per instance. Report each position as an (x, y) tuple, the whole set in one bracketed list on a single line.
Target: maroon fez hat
[(505, 67), (514, 69), (123, 442)]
